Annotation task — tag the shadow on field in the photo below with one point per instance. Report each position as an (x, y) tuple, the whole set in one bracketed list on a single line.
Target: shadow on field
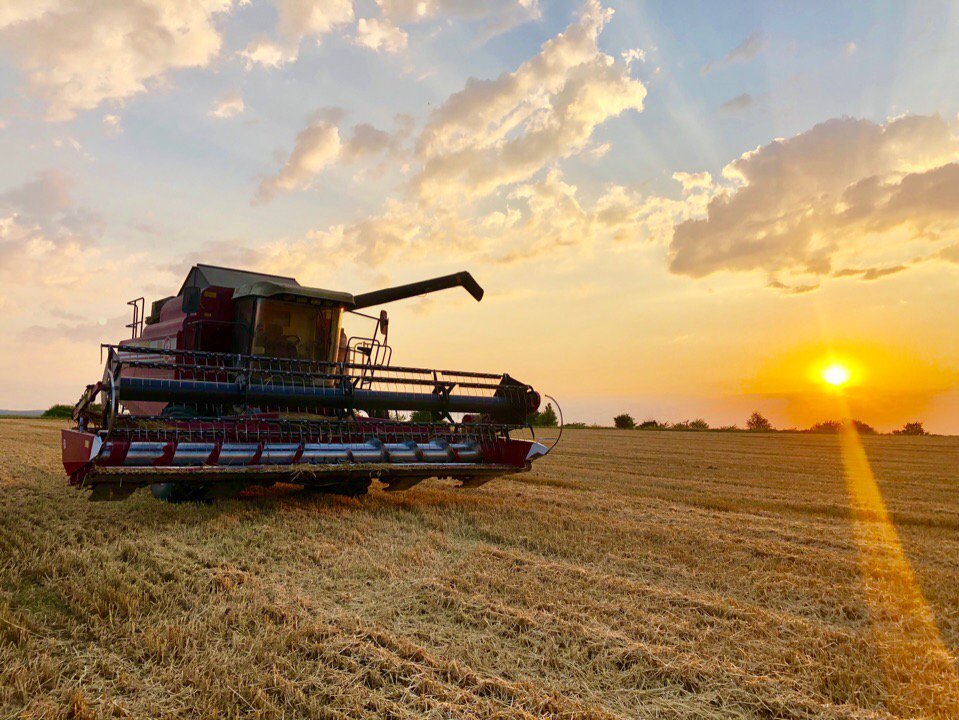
[(263, 503)]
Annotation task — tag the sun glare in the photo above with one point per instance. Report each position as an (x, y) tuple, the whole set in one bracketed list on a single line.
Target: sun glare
[(836, 375)]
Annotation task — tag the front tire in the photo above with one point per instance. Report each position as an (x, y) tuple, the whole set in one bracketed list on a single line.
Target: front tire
[(179, 493)]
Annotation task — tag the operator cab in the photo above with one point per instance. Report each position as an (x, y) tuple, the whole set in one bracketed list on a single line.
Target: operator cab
[(288, 321)]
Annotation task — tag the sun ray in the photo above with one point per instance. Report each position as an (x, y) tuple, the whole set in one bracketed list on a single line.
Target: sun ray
[(921, 676)]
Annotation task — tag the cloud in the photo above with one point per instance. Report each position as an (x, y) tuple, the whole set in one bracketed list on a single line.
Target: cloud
[(873, 273), (868, 197), (738, 103), (694, 182), (950, 253), (297, 20), (301, 19), (267, 54), (227, 105), (111, 124), (317, 146), (320, 145), (503, 131), (748, 49), (78, 54), (632, 56), (796, 289), (498, 16), (380, 35), (49, 194), (483, 175), (15, 12), (44, 236), (77, 330), (537, 218), (745, 52)]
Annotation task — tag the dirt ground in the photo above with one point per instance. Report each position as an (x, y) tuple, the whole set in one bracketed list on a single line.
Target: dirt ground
[(630, 575)]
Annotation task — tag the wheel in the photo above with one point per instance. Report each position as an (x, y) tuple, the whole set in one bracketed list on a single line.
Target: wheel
[(180, 493)]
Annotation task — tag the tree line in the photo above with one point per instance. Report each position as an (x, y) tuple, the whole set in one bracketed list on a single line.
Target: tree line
[(757, 422)]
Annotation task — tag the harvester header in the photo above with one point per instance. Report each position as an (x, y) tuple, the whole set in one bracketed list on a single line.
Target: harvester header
[(244, 378)]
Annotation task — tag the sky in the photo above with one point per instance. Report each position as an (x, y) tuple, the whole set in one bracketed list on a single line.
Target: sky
[(677, 209)]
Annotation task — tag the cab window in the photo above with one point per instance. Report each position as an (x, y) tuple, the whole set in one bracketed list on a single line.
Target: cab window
[(302, 331)]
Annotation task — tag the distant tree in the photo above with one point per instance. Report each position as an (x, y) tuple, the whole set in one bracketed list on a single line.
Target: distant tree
[(60, 412), (546, 418), (826, 426), (421, 416), (652, 424), (834, 426), (911, 428), (758, 423), (624, 421), (699, 424)]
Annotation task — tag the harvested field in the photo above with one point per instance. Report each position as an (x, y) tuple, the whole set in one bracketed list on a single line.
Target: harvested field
[(630, 575)]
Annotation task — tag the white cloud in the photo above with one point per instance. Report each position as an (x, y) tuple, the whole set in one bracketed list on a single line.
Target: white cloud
[(79, 54), (228, 105), (267, 54), (633, 56), (301, 19), (848, 197), (320, 145), (501, 14), (297, 20), (693, 182), (71, 142), (317, 146), (111, 124), (503, 131), (13, 12), (380, 35), (473, 186)]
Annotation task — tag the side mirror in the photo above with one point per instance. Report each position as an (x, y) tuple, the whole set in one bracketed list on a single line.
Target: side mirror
[(384, 322)]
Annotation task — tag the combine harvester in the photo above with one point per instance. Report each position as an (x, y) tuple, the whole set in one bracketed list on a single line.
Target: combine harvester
[(248, 379)]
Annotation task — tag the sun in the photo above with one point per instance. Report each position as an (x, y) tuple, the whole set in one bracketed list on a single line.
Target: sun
[(835, 374)]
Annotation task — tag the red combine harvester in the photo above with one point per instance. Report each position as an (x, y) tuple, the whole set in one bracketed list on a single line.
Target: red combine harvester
[(248, 379)]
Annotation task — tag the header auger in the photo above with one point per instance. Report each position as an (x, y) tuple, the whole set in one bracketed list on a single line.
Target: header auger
[(248, 379)]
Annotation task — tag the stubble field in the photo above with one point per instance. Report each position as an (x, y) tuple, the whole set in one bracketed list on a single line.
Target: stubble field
[(630, 575)]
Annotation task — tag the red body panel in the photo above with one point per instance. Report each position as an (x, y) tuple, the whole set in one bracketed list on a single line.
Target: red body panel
[(79, 448), (210, 328)]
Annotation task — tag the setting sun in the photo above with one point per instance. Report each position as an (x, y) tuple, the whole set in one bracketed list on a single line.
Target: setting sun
[(836, 375)]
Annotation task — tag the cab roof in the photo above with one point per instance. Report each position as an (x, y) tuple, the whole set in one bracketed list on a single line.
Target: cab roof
[(246, 283)]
